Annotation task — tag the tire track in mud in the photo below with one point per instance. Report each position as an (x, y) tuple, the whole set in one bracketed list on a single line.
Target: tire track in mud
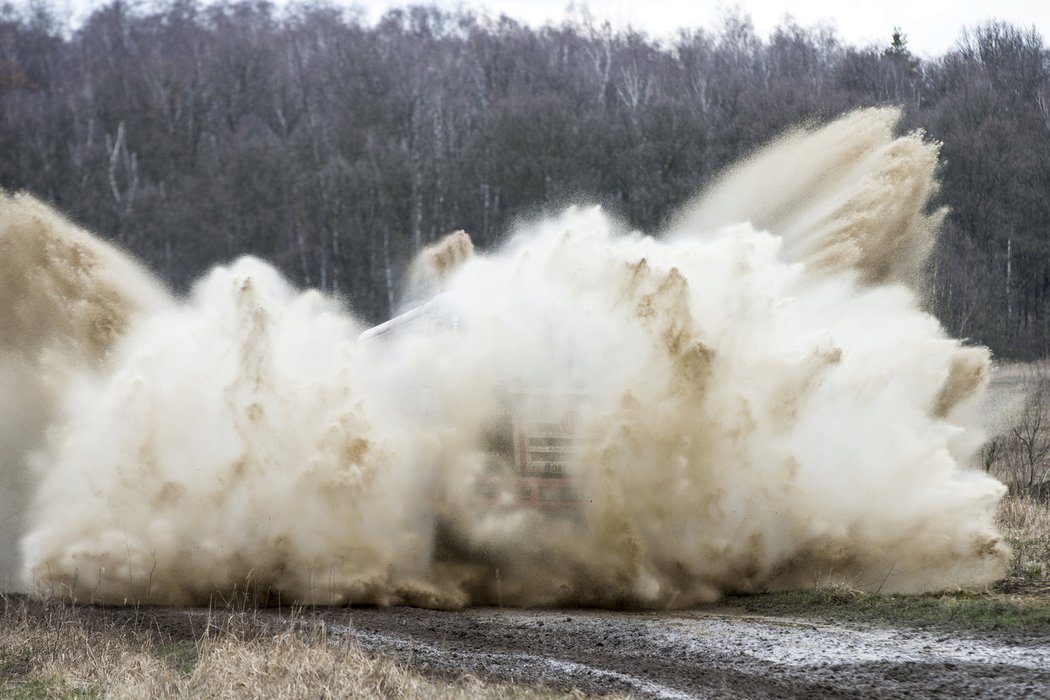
[(521, 667), (710, 653)]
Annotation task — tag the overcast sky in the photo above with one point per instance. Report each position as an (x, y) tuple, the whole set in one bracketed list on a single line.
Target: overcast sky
[(932, 26)]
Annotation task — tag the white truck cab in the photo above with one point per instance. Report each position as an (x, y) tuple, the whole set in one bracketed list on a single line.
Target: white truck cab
[(530, 442)]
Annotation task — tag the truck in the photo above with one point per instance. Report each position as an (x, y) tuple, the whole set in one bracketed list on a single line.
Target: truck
[(531, 440)]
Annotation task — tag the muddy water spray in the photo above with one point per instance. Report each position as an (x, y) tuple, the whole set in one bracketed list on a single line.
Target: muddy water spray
[(762, 404), (65, 299)]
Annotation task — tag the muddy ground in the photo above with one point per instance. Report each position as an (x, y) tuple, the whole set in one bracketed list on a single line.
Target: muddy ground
[(720, 651)]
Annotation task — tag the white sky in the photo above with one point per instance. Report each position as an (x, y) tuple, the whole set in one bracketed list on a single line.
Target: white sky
[(932, 26)]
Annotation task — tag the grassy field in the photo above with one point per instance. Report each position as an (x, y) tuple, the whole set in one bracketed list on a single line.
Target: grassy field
[(51, 650)]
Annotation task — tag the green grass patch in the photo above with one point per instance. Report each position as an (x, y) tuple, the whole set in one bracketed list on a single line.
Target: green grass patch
[(181, 656), (1020, 612), (1019, 605), (44, 688)]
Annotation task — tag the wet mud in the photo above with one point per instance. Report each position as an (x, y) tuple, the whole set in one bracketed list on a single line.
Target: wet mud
[(711, 652)]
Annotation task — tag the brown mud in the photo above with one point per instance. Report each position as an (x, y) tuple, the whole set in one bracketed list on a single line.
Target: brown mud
[(711, 652)]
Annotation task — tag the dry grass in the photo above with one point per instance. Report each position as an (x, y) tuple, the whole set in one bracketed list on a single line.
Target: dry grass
[(51, 650), (1025, 522), (47, 651), (1019, 455)]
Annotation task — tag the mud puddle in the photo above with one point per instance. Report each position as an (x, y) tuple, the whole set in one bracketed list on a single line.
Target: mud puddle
[(710, 653)]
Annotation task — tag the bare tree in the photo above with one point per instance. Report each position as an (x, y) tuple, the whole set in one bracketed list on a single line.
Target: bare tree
[(1028, 461), (196, 131)]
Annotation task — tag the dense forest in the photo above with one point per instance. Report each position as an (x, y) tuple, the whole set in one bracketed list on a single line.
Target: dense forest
[(191, 133)]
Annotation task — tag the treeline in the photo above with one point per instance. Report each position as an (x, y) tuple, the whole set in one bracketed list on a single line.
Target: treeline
[(192, 133)]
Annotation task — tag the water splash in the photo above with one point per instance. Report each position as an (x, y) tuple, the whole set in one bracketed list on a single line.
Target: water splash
[(758, 402)]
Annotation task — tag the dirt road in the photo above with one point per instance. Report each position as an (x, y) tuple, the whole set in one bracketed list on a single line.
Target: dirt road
[(722, 651), (709, 653)]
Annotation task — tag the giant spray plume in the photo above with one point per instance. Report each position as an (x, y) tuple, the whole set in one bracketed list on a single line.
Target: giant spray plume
[(758, 402), (65, 299)]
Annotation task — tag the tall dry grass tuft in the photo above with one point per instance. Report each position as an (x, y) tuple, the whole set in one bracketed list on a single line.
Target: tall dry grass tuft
[(54, 650), (51, 650), (318, 664), (1019, 455), (1025, 522)]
